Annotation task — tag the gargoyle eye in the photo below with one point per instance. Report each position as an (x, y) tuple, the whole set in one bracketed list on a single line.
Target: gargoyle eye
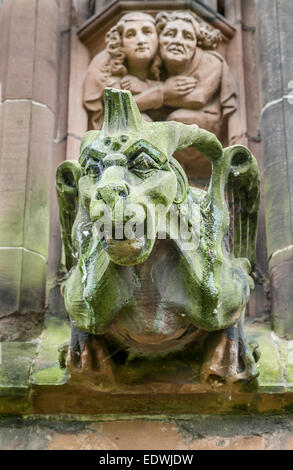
[(143, 165), (92, 167)]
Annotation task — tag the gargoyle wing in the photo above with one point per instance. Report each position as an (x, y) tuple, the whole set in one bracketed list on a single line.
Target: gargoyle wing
[(67, 176), (243, 196)]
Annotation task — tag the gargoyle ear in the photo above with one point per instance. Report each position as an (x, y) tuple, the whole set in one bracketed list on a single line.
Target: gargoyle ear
[(67, 176), (182, 182)]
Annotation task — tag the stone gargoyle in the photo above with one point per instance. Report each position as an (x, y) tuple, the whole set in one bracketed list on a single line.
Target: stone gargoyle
[(150, 294)]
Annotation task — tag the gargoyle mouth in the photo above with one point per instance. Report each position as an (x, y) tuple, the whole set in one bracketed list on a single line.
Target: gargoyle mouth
[(128, 250), (123, 248)]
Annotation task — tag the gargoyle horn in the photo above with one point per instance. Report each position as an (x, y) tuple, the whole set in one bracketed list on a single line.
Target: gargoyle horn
[(121, 112)]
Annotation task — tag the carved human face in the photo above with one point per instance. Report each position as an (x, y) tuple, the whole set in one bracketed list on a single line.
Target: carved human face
[(140, 40), (178, 42)]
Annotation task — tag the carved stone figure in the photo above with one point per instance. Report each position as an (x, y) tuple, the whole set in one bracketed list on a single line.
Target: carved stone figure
[(181, 80), (197, 82), (154, 295), (130, 62)]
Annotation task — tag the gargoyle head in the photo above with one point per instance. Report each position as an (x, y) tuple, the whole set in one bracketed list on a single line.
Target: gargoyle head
[(128, 182)]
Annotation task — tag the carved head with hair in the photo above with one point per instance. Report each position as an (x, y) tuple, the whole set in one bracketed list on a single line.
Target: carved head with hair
[(133, 40), (179, 35), (206, 38)]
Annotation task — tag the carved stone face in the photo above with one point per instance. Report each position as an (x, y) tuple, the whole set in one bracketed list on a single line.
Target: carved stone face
[(123, 181), (178, 42), (140, 40)]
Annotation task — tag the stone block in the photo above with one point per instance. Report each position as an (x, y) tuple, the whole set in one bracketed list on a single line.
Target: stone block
[(16, 359), (26, 151), (286, 351), (281, 274), (10, 280), (33, 283), (26, 154), (46, 370), (14, 153), (270, 365), (37, 215), (22, 276)]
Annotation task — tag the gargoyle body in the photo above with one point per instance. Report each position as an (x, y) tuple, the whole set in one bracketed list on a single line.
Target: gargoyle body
[(149, 286)]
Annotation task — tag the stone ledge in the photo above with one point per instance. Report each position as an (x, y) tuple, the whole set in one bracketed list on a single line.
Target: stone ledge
[(32, 382)]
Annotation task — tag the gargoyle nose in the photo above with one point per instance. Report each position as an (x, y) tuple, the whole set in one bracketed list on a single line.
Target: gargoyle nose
[(111, 193)]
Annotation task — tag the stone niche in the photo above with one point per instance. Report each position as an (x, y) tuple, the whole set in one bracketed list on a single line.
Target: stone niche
[(201, 82)]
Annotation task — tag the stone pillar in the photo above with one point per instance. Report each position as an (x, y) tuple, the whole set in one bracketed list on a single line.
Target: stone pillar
[(276, 65), (244, 125), (212, 3), (30, 42)]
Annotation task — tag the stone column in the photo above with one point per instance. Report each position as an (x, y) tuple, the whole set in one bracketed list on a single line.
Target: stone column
[(212, 3), (29, 64), (276, 65)]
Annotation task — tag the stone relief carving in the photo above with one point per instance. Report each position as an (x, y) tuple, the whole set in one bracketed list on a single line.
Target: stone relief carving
[(170, 66), (151, 295)]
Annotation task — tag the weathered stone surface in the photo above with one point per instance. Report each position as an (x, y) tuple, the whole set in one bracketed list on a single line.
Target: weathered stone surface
[(46, 370), (109, 309), (270, 363), (55, 243), (77, 115), (20, 42), (278, 173), (275, 33), (258, 304), (17, 327), (276, 122), (272, 86), (197, 433), (275, 36), (32, 62), (16, 359), (14, 143), (45, 54), (10, 277), (29, 82), (53, 392), (282, 296), (73, 147), (36, 222), (22, 276), (26, 152)]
